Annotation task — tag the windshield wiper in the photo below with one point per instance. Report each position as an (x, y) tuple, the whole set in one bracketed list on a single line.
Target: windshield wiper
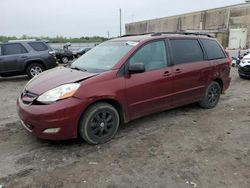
[(77, 68)]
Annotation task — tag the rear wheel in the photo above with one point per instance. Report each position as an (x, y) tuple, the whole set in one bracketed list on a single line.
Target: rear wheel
[(34, 69), (212, 96), (99, 123)]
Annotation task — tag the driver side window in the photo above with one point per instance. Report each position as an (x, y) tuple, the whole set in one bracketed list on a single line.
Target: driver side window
[(152, 55)]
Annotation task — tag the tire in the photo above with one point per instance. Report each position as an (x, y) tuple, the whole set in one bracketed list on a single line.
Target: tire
[(65, 60), (34, 69), (212, 96), (99, 123)]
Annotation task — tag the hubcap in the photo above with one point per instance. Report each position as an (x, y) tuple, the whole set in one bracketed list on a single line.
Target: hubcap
[(34, 71), (102, 123)]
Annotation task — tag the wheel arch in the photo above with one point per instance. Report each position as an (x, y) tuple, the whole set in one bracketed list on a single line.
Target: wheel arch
[(117, 105), (219, 81), (34, 61)]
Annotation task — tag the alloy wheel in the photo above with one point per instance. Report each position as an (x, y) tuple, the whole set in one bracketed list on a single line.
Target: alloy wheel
[(213, 95), (35, 70)]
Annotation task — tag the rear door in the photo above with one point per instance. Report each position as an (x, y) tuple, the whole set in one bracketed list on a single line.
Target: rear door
[(190, 70), (149, 92), (219, 61), (12, 57)]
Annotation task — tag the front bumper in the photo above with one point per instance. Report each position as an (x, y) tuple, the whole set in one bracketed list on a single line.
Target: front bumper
[(63, 115), (244, 71)]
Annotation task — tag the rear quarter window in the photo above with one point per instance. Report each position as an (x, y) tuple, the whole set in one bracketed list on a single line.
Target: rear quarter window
[(38, 46), (213, 49), (186, 51)]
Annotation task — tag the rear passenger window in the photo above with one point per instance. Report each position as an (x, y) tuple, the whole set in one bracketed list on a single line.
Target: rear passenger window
[(213, 49), (186, 51), (152, 55), (38, 46), (12, 49)]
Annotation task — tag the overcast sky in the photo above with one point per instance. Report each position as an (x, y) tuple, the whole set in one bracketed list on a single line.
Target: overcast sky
[(76, 18)]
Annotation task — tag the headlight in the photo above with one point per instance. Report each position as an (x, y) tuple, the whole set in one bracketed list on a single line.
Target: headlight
[(242, 63), (58, 93)]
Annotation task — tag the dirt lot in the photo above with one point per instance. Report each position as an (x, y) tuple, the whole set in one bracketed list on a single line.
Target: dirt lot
[(186, 147)]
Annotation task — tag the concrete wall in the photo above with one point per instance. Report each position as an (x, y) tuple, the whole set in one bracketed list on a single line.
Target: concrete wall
[(216, 21)]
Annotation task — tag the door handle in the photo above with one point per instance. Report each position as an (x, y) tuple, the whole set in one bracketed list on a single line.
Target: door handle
[(178, 71), (166, 74), (24, 56)]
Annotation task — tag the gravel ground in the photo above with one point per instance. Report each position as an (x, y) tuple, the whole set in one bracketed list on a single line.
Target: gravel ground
[(186, 147)]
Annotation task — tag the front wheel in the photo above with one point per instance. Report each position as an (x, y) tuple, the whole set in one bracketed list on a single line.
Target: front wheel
[(99, 123), (212, 96)]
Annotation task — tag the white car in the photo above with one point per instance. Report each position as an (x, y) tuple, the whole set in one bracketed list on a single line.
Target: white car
[(244, 67)]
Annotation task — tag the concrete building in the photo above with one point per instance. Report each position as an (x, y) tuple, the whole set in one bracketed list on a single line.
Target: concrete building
[(230, 25)]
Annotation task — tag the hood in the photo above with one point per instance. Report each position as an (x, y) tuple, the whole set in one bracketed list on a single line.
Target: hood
[(246, 56), (55, 77)]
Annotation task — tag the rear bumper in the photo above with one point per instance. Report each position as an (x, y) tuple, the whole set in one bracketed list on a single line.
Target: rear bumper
[(63, 115), (226, 83), (51, 63)]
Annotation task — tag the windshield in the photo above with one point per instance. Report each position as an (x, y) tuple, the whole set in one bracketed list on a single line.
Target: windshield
[(103, 57)]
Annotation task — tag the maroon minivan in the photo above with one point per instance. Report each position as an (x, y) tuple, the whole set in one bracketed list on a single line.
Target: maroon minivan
[(121, 80)]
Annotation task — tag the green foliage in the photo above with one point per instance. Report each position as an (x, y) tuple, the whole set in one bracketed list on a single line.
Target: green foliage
[(5, 39), (57, 39)]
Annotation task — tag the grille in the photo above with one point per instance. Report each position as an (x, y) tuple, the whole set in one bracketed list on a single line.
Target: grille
[(247, 69), (28, 97), (27, 126)]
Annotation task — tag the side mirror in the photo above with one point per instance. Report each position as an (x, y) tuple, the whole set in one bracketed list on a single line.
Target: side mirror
[(136, 68)]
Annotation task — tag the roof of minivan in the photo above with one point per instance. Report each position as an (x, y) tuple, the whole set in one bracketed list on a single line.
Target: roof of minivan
[(139, 38)]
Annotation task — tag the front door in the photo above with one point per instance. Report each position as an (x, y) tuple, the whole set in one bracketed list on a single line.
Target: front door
[(149, 92)]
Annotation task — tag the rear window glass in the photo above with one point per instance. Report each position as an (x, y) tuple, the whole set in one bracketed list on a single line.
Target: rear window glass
[(213, 49), (13, 49), (38, 46), (186, 51)]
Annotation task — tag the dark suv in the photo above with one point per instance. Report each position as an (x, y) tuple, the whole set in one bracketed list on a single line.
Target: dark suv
[(29, 57), (121, 80)]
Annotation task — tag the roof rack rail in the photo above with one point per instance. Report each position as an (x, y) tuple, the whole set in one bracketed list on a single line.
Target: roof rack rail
[(129, 35), (183, 33), (22, 40), (29, 40)]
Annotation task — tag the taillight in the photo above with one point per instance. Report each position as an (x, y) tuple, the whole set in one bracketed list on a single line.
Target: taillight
[(229, 61), (53, 53)]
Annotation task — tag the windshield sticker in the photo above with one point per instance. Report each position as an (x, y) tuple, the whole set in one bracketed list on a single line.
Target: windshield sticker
[(132, 43)]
